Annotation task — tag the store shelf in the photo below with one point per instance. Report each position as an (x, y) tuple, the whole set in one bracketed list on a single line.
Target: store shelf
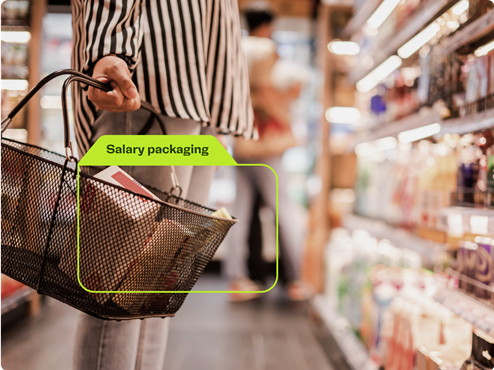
[(421, 18), (468, 211), (422, 118), (352, 349), (472, 310), (470, 33), (463, 125), (20, 297), (360, 17), (400, 238)]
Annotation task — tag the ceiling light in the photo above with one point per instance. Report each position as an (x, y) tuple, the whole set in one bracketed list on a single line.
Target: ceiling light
[(419, 133), (461, 7), (418, 41), (20, 37), (18, 85), (344, 47), (376, 146), (343, 115), (370, 81), (381, 13), (484, 50)]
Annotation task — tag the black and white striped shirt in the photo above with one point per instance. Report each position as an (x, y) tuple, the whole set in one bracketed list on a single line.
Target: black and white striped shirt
[(185, 56)]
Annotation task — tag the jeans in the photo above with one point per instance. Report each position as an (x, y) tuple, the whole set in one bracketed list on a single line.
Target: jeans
[(138, 344)]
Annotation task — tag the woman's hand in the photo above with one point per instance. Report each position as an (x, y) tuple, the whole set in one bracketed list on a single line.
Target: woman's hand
[(123, 97)]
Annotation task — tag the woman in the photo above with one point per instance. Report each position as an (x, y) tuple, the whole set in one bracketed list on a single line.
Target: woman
[(185, 58)]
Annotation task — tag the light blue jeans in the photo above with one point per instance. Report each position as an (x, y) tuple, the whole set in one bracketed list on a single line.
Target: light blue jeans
[(138, 344)]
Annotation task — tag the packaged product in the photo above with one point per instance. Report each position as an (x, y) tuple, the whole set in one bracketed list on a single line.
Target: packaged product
[(467, 262), (484, 266), (482, 356), (162, 255), (441, 357), (114, 228), (184, 253)]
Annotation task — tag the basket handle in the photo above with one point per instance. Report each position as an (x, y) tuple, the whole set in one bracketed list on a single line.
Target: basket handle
[(105, 87), (77, 76)]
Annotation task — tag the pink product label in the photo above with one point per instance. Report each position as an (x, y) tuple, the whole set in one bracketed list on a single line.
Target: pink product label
[(127, 183), (484, 264), (484, 268), (470, 267)]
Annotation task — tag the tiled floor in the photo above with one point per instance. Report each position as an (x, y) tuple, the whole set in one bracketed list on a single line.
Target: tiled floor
[(208, 333)]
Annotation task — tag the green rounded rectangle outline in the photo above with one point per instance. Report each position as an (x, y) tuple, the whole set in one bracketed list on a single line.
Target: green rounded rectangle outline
[(219, 157)]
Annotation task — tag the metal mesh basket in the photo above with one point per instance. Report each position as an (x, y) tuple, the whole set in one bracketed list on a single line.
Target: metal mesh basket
[(127, 242)]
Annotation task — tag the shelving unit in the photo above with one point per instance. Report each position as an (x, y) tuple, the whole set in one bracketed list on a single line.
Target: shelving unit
[(472, 123), (423, 117), (453, 223), (462, 221), (361, 16), (420, 19), (350, 347), (471, 33), (454, 300), (463, 125), (427, 249)]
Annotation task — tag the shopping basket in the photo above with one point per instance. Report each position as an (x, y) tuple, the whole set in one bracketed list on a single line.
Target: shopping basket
[(128, 242)]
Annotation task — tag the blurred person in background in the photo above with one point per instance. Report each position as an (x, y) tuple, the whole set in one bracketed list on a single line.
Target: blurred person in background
[(274, 85)]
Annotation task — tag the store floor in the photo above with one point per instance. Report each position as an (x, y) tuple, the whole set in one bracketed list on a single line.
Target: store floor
[(208, 333)]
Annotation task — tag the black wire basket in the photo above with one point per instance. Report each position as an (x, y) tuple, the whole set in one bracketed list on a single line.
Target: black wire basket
[(128, 242)]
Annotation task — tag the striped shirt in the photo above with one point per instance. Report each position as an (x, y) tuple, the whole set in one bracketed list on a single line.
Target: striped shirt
[(185, 56)]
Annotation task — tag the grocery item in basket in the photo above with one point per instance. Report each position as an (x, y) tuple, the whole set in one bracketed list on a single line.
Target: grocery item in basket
[(162, 255), (169, 278), (223, 213), (114, 227), (116, 176), (205, 231)]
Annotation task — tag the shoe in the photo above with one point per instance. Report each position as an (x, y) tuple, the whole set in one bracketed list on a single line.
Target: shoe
[(299, 291), (245, 285)]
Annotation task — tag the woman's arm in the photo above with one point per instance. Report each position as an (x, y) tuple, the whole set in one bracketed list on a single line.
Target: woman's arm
[(113, 40)]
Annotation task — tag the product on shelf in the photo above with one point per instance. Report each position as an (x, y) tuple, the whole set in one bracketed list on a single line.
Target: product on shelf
[(478, 8), (436, 78), (412, 185), (457, 84), (482, 357), (389, 302), (15, 12), (15, 57), (408, 187)]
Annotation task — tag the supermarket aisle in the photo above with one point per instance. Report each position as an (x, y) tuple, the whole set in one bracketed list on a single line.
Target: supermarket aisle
[(209, 333)]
